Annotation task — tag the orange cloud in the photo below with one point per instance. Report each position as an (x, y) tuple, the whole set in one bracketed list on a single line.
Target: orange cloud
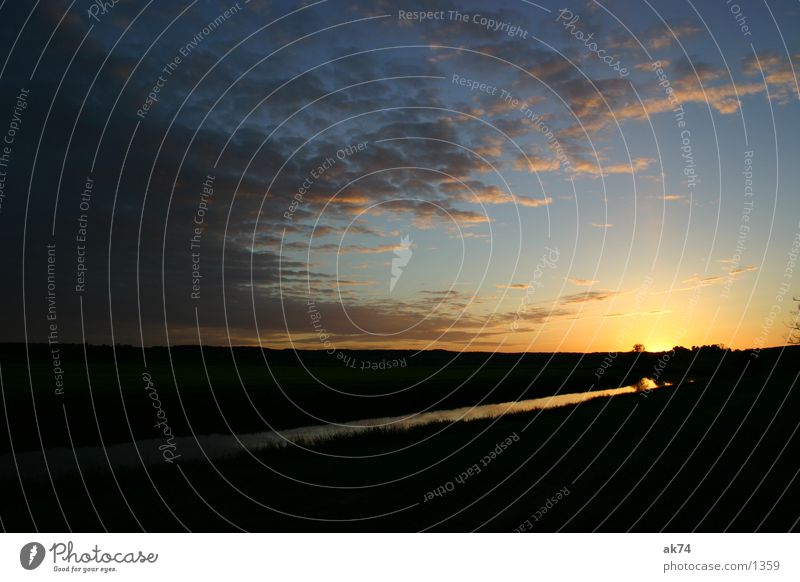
[(778, 73), (535, 164), (647, 66), (583, 167), (598, 169), (587, 296), (360, 250), (353, 283), (482, 194), (582, 282)]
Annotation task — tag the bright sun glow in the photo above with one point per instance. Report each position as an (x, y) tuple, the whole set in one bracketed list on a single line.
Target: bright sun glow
[(663, 346)]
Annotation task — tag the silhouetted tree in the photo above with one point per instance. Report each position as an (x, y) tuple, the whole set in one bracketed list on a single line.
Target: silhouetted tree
[(638, 348), (794, 326)]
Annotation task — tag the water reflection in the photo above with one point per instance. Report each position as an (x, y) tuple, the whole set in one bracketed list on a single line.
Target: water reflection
[(216, 446), (310, 435)]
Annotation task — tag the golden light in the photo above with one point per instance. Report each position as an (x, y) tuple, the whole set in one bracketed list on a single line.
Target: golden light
[(660, 346)]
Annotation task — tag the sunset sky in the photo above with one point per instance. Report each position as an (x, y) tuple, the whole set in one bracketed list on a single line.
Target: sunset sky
[(552, 202)]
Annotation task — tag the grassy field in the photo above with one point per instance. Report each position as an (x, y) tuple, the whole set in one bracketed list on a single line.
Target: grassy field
[(247, 390), (714, 452)]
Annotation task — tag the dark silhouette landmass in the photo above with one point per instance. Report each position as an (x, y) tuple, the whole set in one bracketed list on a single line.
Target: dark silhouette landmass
[(712, 451)]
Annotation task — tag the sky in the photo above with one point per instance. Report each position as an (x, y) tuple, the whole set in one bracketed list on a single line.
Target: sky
[(447, 175)]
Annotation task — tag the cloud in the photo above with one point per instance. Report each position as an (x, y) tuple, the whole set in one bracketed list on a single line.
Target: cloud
[(427, 216), (362, 250), (477, 192), (598, 169), (533, 202), (602, 225), (718, 279), (351, 198), (739, 270), (639, 313), (659, 37), (346, 283), (778, 73), (704, 281), (656, 37), (689, 70), (696, 280), (723, 98), (491, 148), (536, 164), (587, 296), (647, 66), (692, 81), (582, 282), (581, 167)]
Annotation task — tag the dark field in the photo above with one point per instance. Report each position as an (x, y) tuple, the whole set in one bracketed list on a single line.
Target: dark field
[(715, 451)]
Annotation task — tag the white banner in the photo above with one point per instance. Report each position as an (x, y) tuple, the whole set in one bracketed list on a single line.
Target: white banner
[(400, 557)]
